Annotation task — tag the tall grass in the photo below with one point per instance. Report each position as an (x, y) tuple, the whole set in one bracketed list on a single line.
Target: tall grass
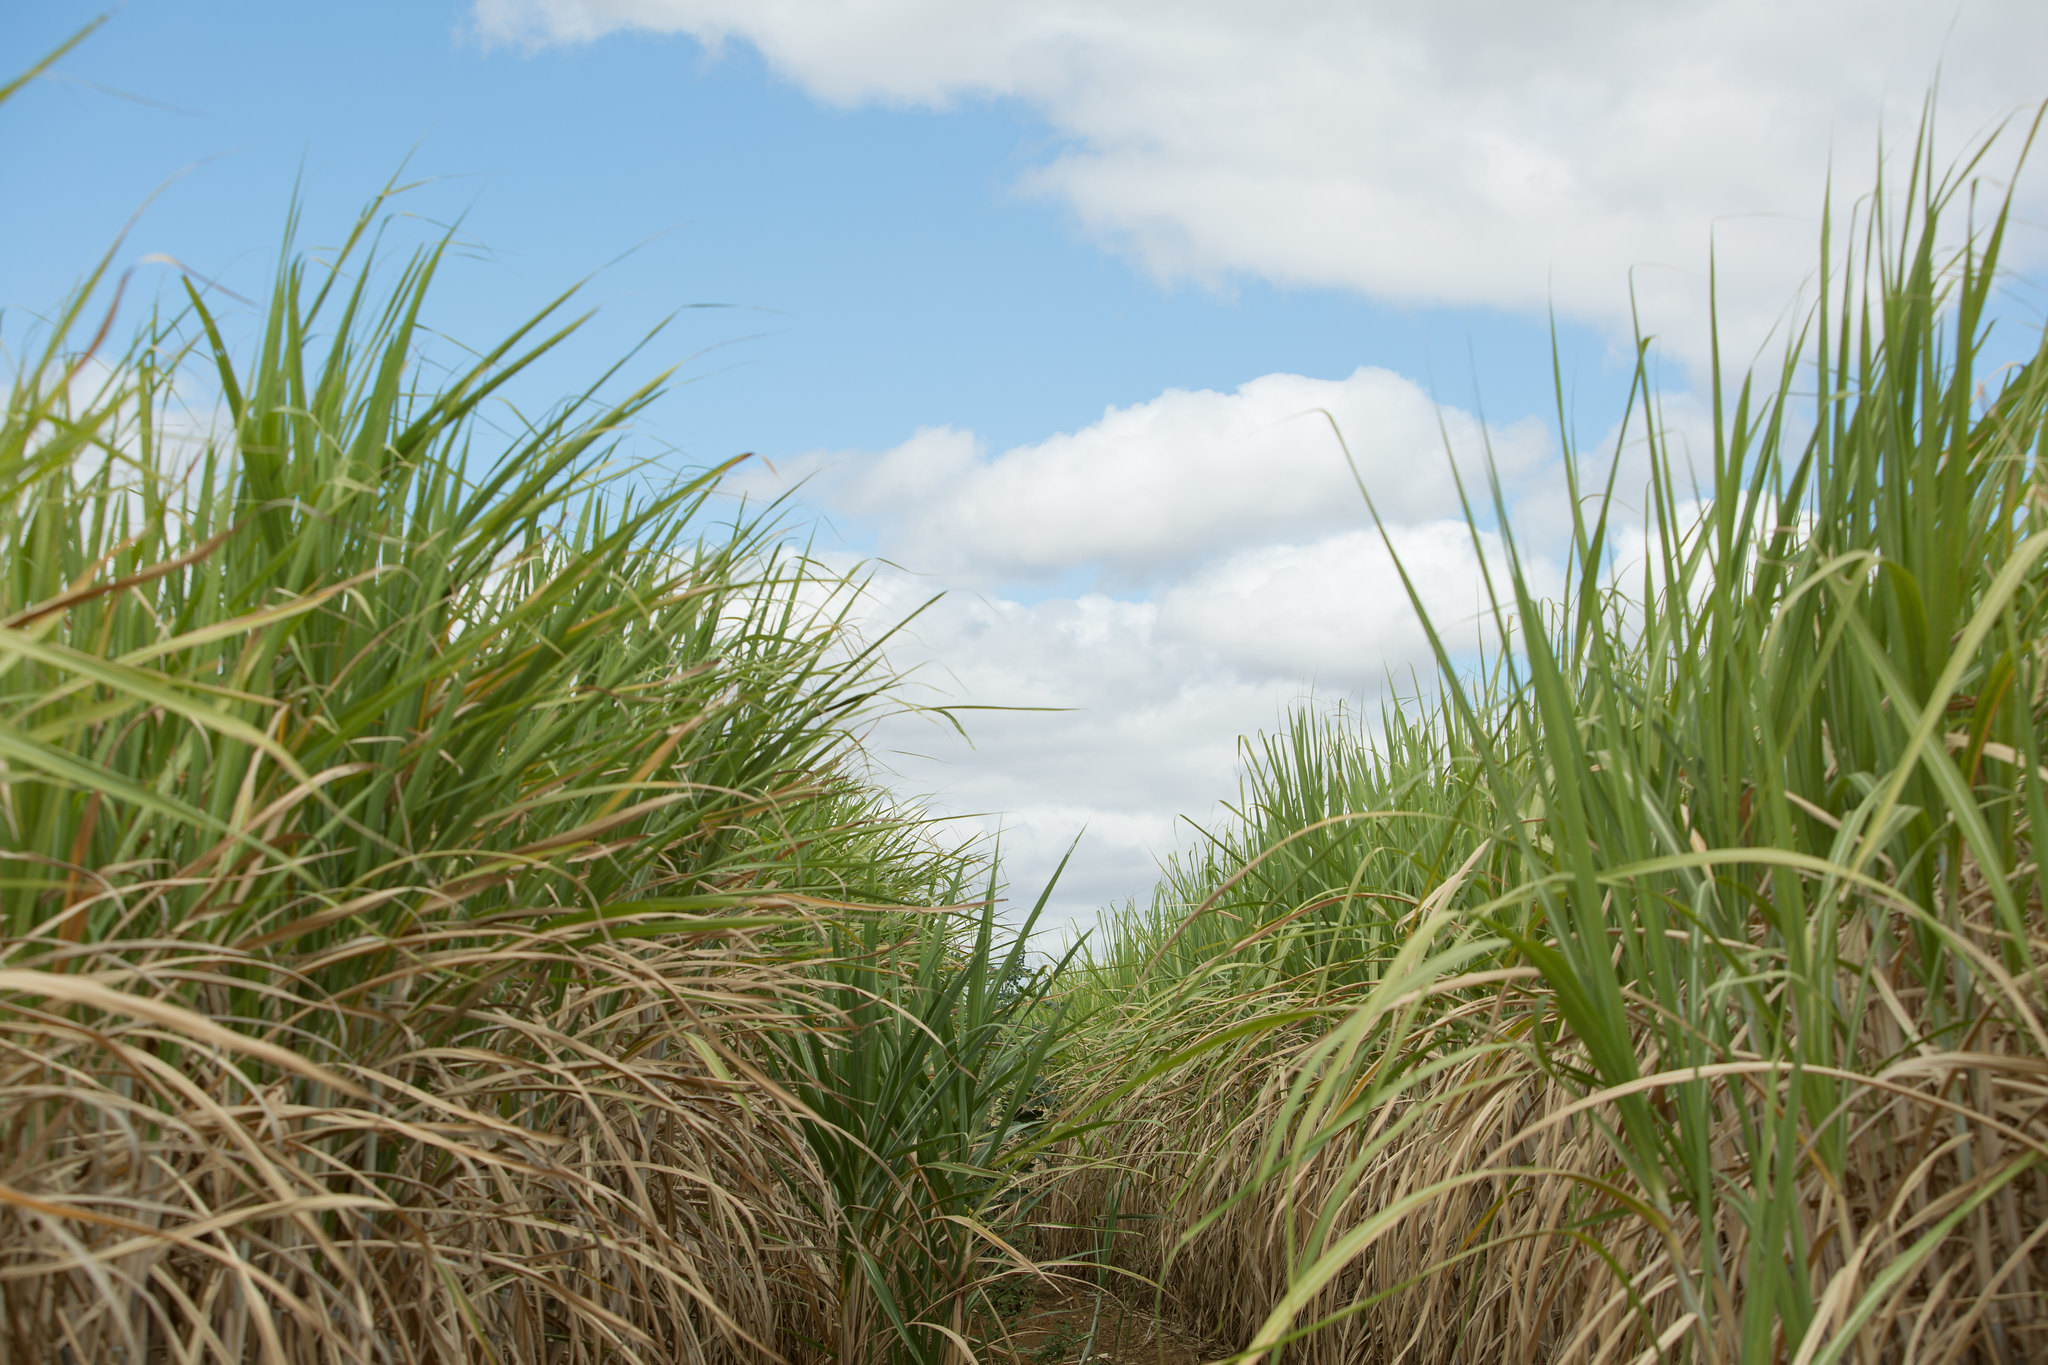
[(1673, 990), (423, 839), (920, 1125), (447, 918)]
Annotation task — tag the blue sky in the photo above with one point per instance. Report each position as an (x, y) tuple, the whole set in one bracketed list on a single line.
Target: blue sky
[(885, 272), (1035, 293)]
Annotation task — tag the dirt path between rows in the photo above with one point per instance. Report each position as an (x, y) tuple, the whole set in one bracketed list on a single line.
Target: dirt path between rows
[(1062, 1324)]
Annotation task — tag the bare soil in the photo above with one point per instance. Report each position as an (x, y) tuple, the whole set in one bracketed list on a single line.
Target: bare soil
[(1062, 1323)]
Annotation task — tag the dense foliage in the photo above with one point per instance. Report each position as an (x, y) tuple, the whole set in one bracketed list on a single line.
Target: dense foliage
[(448, 917)]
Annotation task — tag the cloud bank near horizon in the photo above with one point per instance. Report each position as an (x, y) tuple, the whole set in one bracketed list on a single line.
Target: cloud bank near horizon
[(1148, 588)]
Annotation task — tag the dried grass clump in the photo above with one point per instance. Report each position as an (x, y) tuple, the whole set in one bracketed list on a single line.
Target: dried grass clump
[(600, 1179), (1516, 1233)]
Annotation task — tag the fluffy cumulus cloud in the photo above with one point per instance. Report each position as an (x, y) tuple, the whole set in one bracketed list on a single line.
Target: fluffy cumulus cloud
[(1162, 486), (1468, 151), (1146, 589)]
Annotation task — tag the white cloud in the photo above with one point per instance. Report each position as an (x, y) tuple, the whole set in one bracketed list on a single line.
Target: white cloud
[(1468, 151), (1252, 600), (1335, 611), (1145, 731), (1167, 484)]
